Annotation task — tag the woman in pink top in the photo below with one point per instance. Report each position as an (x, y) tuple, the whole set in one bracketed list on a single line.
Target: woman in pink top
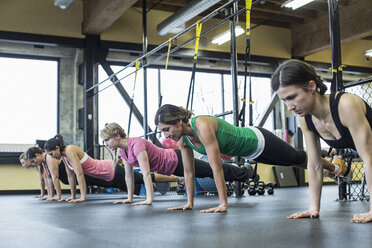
[(141, 153), (79, 163)]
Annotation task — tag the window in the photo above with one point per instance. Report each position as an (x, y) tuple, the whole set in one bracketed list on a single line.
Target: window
[(28, 100), (174, 90)]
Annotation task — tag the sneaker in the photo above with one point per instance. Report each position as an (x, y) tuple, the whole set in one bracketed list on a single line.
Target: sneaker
[(252, 173), (343, 169)]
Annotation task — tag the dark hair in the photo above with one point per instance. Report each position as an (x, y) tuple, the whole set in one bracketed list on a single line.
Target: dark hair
[(170, 114), (52, 143), (296, 72), (32, 151)]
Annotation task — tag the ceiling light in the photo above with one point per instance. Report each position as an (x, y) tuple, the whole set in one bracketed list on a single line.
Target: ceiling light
[(368, 53), (295, 4), (222, 38), (63, 4)]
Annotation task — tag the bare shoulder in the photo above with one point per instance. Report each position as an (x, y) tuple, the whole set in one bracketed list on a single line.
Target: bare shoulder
[(351, 110), (302, 122), (351, 103), (51, 160), (72, 150)]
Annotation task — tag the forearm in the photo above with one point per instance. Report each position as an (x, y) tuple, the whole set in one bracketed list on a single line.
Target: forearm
[(221, 186), (368, 175), (148, 185), (82, 185), (50, 187), (57, 186), (315, 175), (190, 187), (42, 186), (72, 183), (129, 180)]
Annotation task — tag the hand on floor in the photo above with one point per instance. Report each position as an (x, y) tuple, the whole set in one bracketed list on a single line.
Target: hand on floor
[(142, 203), (218, 209), (183, 207), (362, 218), (123, 201), (306, 214)]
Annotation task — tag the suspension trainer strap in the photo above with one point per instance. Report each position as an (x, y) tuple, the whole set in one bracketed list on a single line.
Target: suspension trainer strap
[(169, 48), (241, 117), (132, 100), (190, 97)]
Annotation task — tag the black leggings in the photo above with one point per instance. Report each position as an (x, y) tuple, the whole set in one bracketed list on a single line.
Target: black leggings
[(117, 182), (278, 152), (203, 169), (119, 178)]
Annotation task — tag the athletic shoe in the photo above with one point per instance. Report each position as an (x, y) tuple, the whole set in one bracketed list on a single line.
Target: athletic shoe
[(338, 161), (252, 173)]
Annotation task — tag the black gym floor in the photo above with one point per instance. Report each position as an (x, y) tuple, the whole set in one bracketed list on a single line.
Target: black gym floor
[(252, 221)]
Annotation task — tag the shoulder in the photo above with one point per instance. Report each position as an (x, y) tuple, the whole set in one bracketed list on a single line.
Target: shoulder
[(137, 142), (206, 122), (350, 102), (351, 109), (136, 145), (72, 150), (50, 159), (303, 124)]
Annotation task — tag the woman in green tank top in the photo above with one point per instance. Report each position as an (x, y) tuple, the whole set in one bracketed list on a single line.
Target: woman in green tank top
[(212, 136)]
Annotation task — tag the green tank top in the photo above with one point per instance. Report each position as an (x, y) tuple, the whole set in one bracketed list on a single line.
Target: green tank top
[(232, 140)]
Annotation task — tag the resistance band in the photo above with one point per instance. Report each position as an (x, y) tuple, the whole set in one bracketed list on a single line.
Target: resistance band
[(190, 97), (132, 100), (241, 117), (169, 48)]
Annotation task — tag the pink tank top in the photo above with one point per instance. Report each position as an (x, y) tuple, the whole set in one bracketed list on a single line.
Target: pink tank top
[(101, 169), (163, 161)]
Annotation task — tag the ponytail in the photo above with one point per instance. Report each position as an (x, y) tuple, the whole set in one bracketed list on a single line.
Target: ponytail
[(52, 143)]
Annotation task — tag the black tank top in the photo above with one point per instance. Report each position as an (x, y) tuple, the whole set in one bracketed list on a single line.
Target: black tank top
[(45, 165), (346, 141)]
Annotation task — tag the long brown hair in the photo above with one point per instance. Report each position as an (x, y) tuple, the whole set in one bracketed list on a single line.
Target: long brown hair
[(171, 114), (298, 73)]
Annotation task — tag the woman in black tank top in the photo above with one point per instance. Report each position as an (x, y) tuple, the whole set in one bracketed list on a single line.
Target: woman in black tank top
[(50, 165), (26, 163), (341, 120)]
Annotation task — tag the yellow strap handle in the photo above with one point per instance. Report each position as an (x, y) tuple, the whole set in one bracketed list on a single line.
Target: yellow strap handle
[(248, 7), (244, 100), (135, 75), (169, 47), (339, 68), (198, 31)]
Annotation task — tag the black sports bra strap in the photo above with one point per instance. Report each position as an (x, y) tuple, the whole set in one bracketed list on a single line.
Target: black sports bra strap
[(334, 101), (310, 124), (46, 167)]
